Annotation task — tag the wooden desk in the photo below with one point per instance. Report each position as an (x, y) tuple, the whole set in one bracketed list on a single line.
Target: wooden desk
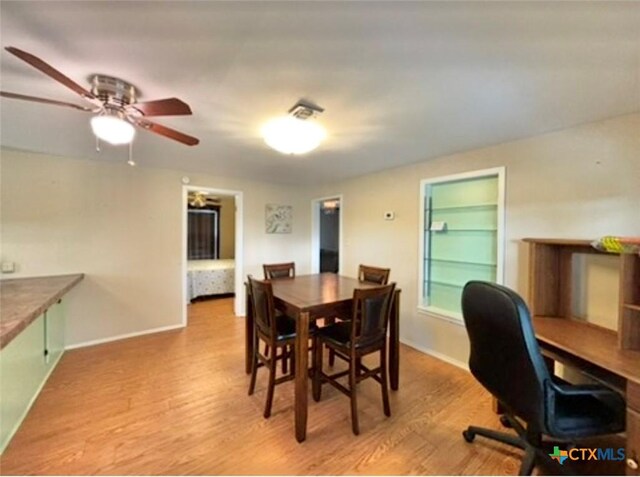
[(309, 297), (594, 351)]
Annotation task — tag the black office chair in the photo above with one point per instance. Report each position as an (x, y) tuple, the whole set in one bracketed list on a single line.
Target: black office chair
[(506, 360)]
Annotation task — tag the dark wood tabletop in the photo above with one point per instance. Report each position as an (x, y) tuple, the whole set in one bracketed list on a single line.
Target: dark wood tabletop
[(318, 294)]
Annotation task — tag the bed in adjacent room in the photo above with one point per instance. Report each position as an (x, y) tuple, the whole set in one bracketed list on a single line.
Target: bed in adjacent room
[(210, 277)]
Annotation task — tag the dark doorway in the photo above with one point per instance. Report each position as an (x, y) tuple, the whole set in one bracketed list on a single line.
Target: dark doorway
[(330, 235)]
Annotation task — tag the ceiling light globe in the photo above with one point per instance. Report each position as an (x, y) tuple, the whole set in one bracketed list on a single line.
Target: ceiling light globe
[(112, 129), (290, 135)]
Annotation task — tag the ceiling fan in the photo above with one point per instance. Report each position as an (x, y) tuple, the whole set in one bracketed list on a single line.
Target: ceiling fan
[(199, 199), (114, 103)]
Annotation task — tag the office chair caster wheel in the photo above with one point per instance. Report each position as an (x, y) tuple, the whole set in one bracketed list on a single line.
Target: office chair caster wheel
[(505, 422), (468, 435)]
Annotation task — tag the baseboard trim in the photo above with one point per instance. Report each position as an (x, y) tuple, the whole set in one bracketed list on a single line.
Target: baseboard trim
[(436, 354), (123, 337)]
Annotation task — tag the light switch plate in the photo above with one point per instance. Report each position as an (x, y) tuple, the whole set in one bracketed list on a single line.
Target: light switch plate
[(438, 226), (8, 267)]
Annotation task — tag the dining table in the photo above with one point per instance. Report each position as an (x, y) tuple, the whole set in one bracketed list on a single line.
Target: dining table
[(307, 298)]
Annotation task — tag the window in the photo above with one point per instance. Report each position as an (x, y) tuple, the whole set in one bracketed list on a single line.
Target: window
[(203, 241), (461, 237)]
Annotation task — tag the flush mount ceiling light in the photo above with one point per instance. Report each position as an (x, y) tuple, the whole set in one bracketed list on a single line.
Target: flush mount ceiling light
[(295, 133), (112, 127)]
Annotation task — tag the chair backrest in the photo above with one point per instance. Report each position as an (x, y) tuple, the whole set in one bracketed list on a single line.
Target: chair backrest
[(263, 307), (505, 357), (279, 270), (371, 307), (373, 274)]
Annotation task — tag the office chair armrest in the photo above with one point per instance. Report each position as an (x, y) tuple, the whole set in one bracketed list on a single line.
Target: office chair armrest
[(563, 399), (595, 390)]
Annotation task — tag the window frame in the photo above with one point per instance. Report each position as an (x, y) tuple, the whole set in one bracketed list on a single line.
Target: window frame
[(500, 172)]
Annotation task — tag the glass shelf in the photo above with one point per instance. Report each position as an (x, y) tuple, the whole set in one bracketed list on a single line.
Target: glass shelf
[(461, 230), (464, 207), (447, 284), (463, 262)]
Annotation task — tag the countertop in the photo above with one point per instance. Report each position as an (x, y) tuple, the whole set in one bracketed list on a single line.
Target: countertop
[(22, 300)]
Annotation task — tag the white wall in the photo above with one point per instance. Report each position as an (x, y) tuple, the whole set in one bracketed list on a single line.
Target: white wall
[(122, 226), (582, 182)]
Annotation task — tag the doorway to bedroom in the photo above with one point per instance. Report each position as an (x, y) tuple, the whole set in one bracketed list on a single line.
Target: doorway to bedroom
[(326, 234), (211, 246)]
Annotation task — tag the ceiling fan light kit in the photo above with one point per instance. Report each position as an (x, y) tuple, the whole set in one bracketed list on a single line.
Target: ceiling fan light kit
[(112, 128), (295, 133), (115, 103), (200, 199)]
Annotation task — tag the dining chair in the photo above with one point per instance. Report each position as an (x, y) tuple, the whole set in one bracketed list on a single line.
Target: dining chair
[(373, 274), (365, 274), (279, 270), (278, 332), (364, 334)]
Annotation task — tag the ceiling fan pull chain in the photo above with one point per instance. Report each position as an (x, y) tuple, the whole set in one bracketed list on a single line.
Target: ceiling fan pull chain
[(97, 144), (131, 162)]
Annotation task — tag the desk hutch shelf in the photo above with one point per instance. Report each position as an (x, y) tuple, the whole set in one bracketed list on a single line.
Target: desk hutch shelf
[(550, 285), (609, 357)]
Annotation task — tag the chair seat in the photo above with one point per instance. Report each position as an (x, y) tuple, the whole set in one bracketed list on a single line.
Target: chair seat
[(586, 415), (339, 335), (286, 327)]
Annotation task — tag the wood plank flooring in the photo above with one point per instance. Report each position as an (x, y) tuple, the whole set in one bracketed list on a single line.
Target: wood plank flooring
[(176, 403)]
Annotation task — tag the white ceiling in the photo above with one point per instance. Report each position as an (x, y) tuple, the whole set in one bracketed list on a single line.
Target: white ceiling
[(400, 82)]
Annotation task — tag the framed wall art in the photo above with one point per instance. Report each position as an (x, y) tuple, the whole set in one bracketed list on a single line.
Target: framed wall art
[(278, 219)]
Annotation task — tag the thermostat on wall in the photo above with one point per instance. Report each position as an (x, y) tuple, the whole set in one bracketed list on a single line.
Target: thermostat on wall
[(389, 215)]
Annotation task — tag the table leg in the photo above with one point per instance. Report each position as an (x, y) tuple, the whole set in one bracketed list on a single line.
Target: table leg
[(302, 374), (394, 342), (249, 341)]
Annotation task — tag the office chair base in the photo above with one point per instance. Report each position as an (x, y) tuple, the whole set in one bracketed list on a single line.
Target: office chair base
[(515, 441), (532, 455), (529, 460), (504, 420)]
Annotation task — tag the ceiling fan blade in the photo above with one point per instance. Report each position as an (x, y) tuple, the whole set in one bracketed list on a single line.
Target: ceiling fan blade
[(50, 71), (167, 132), (162, 107), (24, 97)]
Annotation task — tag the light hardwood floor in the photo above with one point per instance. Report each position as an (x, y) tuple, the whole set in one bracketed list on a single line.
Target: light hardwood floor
[(176, 403)]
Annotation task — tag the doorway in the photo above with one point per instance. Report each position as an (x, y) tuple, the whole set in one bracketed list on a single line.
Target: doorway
[(327, 234), (211, 246)]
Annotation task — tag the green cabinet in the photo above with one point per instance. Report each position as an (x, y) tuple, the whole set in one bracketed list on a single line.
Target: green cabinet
[(54, 322), (25, 365)]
